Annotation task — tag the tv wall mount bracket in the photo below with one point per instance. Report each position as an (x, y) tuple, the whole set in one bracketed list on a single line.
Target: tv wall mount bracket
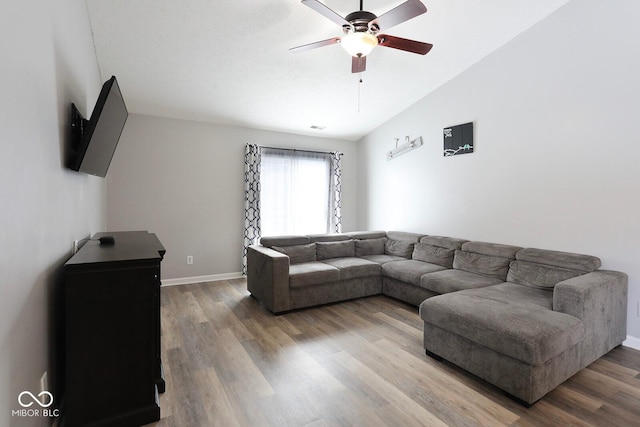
[(78, 123)]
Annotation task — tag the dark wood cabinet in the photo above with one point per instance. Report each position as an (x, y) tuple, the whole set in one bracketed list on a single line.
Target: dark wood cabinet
[(113, 369)]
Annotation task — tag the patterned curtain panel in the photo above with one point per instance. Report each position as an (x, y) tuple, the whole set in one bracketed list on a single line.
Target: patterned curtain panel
[(251, 200), (335, 194)]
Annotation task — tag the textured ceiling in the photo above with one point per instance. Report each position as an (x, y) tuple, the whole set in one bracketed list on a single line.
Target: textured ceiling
[(228, 61)]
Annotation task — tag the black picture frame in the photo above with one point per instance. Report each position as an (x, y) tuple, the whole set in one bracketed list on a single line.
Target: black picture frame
[(458, 139)]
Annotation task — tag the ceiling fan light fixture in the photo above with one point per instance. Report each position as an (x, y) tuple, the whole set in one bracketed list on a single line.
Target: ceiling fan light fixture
[(359, 43)]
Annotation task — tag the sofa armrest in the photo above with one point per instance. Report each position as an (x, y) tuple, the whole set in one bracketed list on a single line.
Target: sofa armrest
[(599, 300), (268, 277)]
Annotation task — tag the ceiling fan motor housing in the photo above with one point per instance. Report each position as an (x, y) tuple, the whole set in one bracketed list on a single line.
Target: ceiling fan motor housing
[(359, 21)]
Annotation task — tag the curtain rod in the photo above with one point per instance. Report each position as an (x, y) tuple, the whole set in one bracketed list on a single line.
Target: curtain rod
[(303, 151)]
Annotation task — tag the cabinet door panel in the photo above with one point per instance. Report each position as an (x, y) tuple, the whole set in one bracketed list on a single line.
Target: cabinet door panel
[(111, 344)]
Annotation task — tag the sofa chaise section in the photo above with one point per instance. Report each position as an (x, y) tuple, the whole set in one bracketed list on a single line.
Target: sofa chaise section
[(555, 314)]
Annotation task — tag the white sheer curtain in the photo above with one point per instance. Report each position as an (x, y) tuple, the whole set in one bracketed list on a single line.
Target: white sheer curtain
[(295, 192)]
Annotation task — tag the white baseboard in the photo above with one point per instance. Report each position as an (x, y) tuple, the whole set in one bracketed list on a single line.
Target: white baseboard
[(200, 279), (632, 342)]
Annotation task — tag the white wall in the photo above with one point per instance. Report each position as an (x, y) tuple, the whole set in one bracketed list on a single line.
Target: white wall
[(184, 181), (556, 141), (47, 62)]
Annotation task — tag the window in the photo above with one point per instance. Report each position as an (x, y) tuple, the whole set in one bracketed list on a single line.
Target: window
[(295, 192), (300, 192)]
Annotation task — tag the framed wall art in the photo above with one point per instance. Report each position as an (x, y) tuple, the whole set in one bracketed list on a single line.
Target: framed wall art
[(458, 139)]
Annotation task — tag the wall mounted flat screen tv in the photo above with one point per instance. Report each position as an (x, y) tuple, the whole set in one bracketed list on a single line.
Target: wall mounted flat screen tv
[(94, 141)]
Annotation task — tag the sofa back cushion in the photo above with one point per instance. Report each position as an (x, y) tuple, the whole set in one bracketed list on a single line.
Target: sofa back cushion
[(401, 248), (362, 235), (404, 236), (369, 246), (443, 242), (542, 268), (298, 253), (539, 275), (488, 259), (586, 263), (433, 254), (271, 241), (492, 249), (334, 237), (490, 266), (327, 250), (438, 250)]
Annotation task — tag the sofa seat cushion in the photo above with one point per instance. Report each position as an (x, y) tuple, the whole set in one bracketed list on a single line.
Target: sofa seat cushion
[(312, 273), (497, 318), (383, 258), (354, 267), (510, 293), (446, 281), (409, 270)]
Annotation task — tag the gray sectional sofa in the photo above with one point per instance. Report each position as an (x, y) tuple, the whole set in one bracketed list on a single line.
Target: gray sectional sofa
[(523, 319)]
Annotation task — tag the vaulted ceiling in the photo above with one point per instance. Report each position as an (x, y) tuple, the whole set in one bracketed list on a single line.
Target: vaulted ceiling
[(228, 61)]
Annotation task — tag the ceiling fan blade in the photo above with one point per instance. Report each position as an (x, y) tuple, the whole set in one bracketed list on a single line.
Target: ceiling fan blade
[(315, 45), (325, 11), (404, 44), (403, 12), (358, 64)]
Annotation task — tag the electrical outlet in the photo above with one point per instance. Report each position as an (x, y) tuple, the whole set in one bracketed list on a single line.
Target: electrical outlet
[(189, 259), (44, 382)]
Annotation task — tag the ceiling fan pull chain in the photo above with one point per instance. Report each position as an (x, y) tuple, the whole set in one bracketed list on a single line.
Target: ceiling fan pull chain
[(359, 86)]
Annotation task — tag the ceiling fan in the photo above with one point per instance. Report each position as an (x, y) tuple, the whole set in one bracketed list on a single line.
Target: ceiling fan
[(361, 31)]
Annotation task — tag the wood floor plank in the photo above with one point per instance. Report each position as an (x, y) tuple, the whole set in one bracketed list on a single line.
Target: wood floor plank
[(189, 409), (214, 400), (230, 362), (195, 310), (573, 402), (455, 402), (545, 414), (605, 385), (232, 359), (418, 414), (613, 370)]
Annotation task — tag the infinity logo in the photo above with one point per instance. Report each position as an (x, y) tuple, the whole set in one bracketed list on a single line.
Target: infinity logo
[(44, 403)]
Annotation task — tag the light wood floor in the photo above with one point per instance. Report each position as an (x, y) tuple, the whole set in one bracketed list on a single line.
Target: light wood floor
[(230, 362)]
